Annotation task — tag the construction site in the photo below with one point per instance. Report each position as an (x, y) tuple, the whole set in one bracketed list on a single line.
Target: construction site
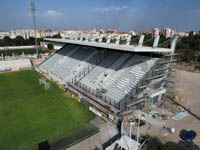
[(135, 90)]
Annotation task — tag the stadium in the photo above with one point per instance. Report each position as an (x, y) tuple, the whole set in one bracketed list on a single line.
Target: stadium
[(112, 79)]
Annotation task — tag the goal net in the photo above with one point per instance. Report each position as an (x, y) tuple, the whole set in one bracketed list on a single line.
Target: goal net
[(45, 83)]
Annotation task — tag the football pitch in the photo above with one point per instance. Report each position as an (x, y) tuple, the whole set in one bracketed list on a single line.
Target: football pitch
[(29, 114)]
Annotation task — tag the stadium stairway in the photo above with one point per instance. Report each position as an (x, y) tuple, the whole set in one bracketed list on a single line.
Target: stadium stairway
[(115, 66), (69, 62), (64, 54), (51, 61), (79, 67), (91, 78), (127, 78)]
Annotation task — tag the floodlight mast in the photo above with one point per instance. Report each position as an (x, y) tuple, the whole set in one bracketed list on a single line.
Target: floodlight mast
[(32, 6)]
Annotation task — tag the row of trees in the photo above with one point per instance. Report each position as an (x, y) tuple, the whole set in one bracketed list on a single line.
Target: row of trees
[(18, 41), (187, 47), (154, 143), (191, 42)]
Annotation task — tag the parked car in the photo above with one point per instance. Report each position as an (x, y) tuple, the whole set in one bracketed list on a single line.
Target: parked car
[(188, 136)]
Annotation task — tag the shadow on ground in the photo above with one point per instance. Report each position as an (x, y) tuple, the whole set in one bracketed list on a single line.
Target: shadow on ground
[(71, 139), (186, 109)]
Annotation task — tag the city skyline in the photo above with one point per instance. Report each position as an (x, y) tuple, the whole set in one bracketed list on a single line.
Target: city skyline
[(120, 15)]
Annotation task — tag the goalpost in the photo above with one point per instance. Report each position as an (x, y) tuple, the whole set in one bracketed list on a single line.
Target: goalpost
[(46, 84)]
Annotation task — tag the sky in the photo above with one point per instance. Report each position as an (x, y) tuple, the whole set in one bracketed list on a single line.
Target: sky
[(123, 15)]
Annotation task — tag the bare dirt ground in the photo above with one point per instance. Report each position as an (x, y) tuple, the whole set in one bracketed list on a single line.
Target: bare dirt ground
[(187, 89)]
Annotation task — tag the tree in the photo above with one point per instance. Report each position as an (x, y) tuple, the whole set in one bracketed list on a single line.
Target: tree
[(189, 47), (194, 148), (104, 39), (153, 143), (187, 55), (7, 41), (50, 46), (191, 33), (57, 36), (19, 41), (169, 146), (133, 40), (112, 40), (198, 57)]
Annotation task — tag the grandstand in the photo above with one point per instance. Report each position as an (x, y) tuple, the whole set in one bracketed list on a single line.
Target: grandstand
[(11, 65), (111, 78)]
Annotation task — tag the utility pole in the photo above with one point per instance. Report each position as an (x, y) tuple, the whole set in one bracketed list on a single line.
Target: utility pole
[(32, 6)]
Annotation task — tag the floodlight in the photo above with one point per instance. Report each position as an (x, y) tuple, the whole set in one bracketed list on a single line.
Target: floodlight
[(32, 6)]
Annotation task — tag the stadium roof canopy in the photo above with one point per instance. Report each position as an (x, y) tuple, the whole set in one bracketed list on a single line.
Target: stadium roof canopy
[(96, 41)]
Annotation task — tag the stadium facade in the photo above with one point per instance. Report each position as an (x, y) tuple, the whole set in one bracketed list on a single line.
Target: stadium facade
[(112, 79)]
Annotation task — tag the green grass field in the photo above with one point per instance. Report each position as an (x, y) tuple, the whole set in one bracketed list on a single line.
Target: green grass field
[(30, 114)]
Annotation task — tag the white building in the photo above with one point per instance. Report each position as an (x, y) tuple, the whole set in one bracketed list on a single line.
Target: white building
[(3, 34)]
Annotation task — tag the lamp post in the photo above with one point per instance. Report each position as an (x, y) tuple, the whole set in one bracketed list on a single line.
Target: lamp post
[(121, 135), (131, 126), (32, 6), (138, 130)]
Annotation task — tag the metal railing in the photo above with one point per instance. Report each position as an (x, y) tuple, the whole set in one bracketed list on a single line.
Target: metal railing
[(99, 58), (96, 93)]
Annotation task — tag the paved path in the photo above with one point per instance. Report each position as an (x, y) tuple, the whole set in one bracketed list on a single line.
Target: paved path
[(107, 131)]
